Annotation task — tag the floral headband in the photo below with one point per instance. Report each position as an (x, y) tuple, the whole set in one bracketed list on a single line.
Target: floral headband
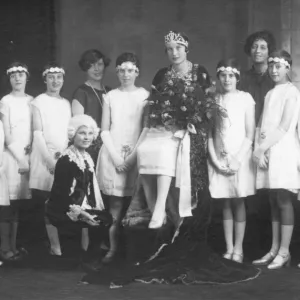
[(127, 65), (229, 69), (54, 70), (16, 69), (176, 38), (279, 60)]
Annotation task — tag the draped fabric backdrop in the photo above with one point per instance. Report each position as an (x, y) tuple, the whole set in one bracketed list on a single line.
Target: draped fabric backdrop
[(27, 34)]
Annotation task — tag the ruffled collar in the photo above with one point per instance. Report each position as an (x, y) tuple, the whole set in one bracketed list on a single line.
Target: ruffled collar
[(79, 158)]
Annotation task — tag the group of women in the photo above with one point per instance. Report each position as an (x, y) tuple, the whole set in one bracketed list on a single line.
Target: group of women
[(186, 140)]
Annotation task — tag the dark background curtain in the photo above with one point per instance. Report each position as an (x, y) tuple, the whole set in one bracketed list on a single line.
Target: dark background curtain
[(27, 34)]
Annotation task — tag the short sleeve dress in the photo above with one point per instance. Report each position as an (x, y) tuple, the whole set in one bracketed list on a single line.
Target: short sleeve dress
[(18, 111), (126, 113), (55, 115), (228, 135), (282, 172)]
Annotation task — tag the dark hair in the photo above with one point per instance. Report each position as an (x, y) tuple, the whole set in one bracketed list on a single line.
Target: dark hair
[(91, 56), (260, 35), (18, 64), (229, 62), (185, 37), (128, 56), (51, 65), (282, 54)]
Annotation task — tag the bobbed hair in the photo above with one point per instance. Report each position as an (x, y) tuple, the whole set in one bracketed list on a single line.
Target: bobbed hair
[(282, 54), (18, 64), (91, 56)]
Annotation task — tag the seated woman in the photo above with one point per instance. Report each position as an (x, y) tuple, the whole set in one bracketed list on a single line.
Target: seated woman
[(75, 200)]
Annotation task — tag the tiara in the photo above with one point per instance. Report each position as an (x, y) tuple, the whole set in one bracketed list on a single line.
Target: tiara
[(54, 70), (16, 69), (229, 69), (279, 60), (177, 38), (127, 65)]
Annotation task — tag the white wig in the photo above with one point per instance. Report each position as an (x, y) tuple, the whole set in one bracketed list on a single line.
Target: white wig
[(82, 120)]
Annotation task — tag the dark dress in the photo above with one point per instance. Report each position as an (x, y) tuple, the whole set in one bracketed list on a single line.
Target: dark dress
[(258, 86), (186, 258), (70, 187), (92, 105)]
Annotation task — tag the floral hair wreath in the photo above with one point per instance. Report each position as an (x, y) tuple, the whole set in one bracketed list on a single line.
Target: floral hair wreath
[(54, 70), (176, 38), (127, 65), (279, 60), (229, 69), (16, 69)]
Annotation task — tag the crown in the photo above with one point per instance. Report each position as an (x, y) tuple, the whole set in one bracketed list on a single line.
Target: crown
[(175, 37)]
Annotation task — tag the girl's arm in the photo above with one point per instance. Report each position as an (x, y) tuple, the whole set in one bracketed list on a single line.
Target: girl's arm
[(106, 137), (77, 108), (39, 139), (131, 159), (248, 140), (213, 156), (278, 133), (17, 151)]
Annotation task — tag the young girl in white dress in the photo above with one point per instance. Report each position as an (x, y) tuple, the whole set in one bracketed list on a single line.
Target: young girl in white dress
[(231, 170), (15, 109), (277, 154), (122, 126), (51, 116)]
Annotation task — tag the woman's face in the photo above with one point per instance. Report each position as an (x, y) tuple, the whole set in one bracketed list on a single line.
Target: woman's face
[(96, 71), (176, 53), (83, 138), (278, 72), (54, 82), (127, 74), (228, 81), (18, 81), (259, 51)]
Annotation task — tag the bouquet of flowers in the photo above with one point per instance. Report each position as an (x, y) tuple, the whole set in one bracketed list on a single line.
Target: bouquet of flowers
[(181, 102)]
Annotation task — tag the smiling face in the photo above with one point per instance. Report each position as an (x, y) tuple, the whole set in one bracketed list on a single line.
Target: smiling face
[(176, 53), (278, 72), (96, 70), (54, 82), (259, 51), (228, 81), (18, 81), (83, 138), (127, 73)]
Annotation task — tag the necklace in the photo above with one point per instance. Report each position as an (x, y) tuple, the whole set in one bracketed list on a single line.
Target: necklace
[(182, 74), (88, 84)]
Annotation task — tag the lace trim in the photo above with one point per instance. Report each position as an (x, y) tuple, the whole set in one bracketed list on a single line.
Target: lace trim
[(78, 158)]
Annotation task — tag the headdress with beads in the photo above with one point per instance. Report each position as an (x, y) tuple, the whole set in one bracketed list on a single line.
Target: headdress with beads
[(176, 38)]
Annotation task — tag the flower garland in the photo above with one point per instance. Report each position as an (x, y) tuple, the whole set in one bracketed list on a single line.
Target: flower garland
[(179, 101), (79, 158)]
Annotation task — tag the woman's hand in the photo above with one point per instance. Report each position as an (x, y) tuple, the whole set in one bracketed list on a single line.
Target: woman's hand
[(258, 155), (23, 167), (117, 160), (234, 165), (128, 163)]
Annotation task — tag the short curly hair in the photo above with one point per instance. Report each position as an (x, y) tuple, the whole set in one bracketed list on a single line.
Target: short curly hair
[(260, 35), (91, 56)]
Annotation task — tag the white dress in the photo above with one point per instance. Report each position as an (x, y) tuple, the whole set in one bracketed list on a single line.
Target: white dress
[(228, 136), (4, 195), (55, 116), (18, 111), (126, 116), (282, 172)]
